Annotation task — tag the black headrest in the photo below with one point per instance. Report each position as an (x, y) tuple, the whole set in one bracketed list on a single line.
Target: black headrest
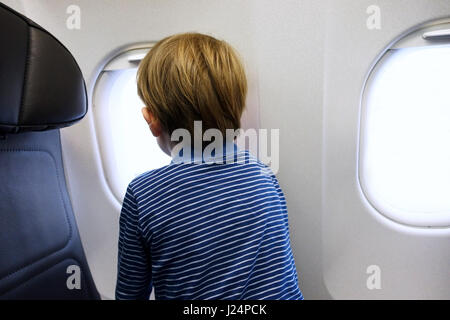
[(41, 85)]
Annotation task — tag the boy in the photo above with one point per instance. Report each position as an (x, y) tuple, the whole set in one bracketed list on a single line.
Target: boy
[(195, 229)]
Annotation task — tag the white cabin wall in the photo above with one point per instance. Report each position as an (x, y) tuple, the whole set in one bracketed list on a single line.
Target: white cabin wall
[(306, 62), (289, 36), (414, 262)]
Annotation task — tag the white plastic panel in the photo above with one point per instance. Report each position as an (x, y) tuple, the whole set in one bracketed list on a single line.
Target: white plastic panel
[(405, 134), (366, 253)]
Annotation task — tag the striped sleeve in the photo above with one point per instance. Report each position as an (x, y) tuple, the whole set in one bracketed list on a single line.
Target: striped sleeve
[(134, 266), (284, 207), (280, 193)]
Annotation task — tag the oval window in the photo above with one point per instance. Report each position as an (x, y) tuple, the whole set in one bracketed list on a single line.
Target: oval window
[(127, 148), (404, 163)]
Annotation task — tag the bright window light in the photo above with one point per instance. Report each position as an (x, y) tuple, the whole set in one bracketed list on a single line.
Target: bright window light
[(128, 148), (405, 137)]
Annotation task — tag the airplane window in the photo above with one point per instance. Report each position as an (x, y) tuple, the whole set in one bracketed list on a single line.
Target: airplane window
[(127, 147), (405, 136)]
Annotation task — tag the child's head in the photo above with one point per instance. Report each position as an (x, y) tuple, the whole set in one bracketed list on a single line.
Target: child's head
[(192, 77)]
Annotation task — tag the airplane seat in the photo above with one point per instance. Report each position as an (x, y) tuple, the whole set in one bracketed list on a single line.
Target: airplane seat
[(41, 90)]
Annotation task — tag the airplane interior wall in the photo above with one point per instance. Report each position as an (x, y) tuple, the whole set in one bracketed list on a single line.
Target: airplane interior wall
[(307, 63)]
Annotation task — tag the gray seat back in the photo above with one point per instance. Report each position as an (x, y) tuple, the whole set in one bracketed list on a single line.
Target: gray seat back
[(41, 90)]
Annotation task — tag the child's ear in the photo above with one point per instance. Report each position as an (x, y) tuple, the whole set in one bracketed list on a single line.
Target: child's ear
[(153, 123)]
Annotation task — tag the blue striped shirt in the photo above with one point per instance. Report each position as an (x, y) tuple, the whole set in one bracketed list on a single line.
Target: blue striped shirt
[(206, 231)]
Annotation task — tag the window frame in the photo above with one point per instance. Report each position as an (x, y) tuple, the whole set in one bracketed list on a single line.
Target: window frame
[(125, 59)]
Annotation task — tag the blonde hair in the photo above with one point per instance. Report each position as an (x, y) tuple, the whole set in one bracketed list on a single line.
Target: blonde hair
[(193, 77)]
